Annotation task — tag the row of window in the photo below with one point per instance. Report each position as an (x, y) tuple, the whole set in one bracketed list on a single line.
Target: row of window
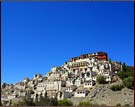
[(88, 84), (79, 64), (81, 69), (80, 92)]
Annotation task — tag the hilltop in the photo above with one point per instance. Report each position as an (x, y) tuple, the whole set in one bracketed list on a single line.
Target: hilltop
[(86, 78)]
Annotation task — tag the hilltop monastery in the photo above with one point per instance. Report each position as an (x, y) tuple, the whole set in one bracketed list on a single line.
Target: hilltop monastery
[(74, 78)]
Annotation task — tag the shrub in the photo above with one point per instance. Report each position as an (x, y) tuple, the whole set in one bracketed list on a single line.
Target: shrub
[(129, 82), (0, 104), (118, 104), (126, 105), (101, 79), (116, 87), (87, 104), (65, 102), (125, 74), (84, 104), (103, 104), (46, 101), (26, 102), (31, 91)]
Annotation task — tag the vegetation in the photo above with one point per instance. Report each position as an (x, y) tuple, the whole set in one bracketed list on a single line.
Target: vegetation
[(0, 104), (4, 85), (117, 87), (31, 91), (103, 104), (110, 60), (46, 101), (86, 104), (26, 102), (129, 82), (43, 101), (126, 105), (118, 104), (65, 102), (101, 79), (127, 76)]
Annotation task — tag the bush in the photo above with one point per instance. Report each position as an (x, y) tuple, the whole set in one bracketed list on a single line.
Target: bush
[(101, 79), (31, 91), (46, 101), (118, 104), (126, 105), (129, 82), (26, 102), (103, 104), (65, 102), (0, 104), (126, 74), (116, 87), (86, 104)]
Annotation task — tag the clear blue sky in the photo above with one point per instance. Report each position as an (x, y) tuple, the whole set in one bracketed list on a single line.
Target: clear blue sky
[(37, 36)]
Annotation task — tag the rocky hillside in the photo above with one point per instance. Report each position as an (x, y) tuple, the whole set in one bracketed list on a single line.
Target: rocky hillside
[(103, 95)]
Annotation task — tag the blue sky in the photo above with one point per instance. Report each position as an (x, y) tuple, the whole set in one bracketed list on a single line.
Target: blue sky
[(39, 35)]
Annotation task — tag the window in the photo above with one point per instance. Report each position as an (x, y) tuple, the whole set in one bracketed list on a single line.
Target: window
[(88, 74)]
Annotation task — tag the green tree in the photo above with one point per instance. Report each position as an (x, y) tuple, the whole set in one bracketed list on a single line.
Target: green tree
[(65, 102), (124, 67), (126, 74), (129, 82), (110, 60), (101, 79)]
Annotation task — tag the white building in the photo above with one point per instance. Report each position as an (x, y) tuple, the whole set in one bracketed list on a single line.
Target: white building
[(81, 92), (89, 84), (71, 88)]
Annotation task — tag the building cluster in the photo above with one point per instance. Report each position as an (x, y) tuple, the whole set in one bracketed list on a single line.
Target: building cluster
[(74, 78)]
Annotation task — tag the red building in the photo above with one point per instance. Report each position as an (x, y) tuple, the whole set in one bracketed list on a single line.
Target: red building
[(102, 56)]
